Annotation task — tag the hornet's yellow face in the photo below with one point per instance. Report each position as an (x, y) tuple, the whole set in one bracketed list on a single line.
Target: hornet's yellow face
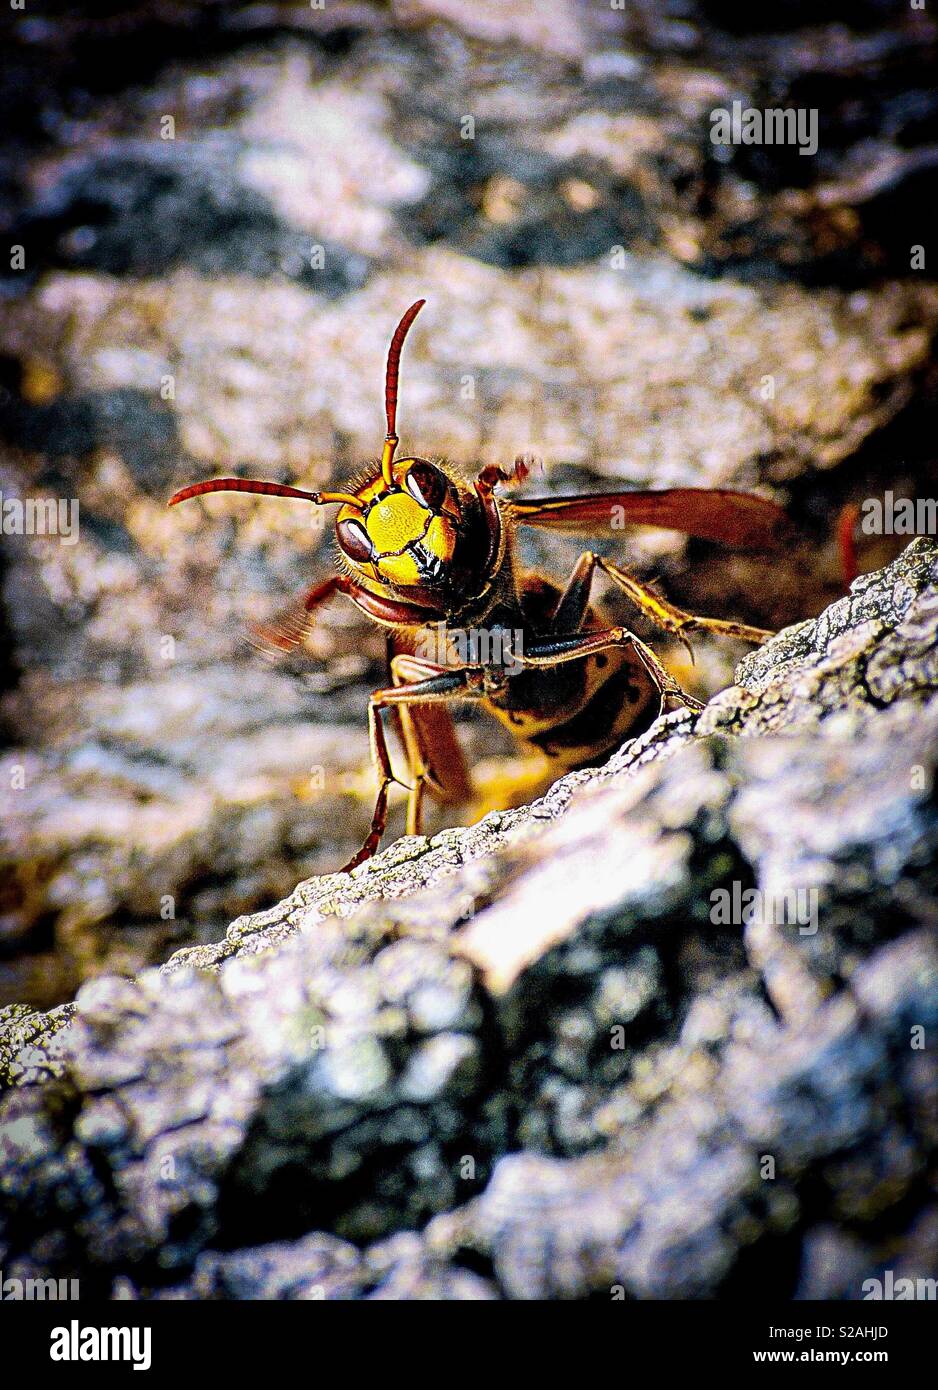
[(404, 537)]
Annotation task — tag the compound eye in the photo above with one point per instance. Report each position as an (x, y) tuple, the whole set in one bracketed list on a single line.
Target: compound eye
[(427, 484), (354, 540)]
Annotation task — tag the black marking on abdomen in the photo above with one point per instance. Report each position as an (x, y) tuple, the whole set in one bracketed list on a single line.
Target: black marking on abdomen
[(594, 727)]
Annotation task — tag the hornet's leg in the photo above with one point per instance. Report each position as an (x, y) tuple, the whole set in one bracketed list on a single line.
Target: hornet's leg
[(671, 618), (571, 609), (574, 602), (458, 684), (407, 669), (288, 628), (553, 651), (572, 605)]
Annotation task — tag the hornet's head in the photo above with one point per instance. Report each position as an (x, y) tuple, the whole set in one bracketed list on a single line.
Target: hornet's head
[(409, 524), (407, 534)]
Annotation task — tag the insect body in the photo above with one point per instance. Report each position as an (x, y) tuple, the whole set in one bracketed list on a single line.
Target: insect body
[(432, 558)]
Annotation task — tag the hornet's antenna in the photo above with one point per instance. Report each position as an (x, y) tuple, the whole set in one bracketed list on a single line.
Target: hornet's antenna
[(390, 389)]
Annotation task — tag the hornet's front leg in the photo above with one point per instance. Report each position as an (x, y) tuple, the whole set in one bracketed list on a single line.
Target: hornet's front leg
[(444, 685)]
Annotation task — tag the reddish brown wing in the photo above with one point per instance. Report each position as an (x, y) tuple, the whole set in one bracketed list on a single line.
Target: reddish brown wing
[(441, 749), (738, 519)]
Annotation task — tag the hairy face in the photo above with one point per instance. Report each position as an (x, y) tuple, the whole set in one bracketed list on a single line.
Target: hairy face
[(404, 536)]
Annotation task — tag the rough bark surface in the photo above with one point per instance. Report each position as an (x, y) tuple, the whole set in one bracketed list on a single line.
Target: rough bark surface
[(521, 1059)]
